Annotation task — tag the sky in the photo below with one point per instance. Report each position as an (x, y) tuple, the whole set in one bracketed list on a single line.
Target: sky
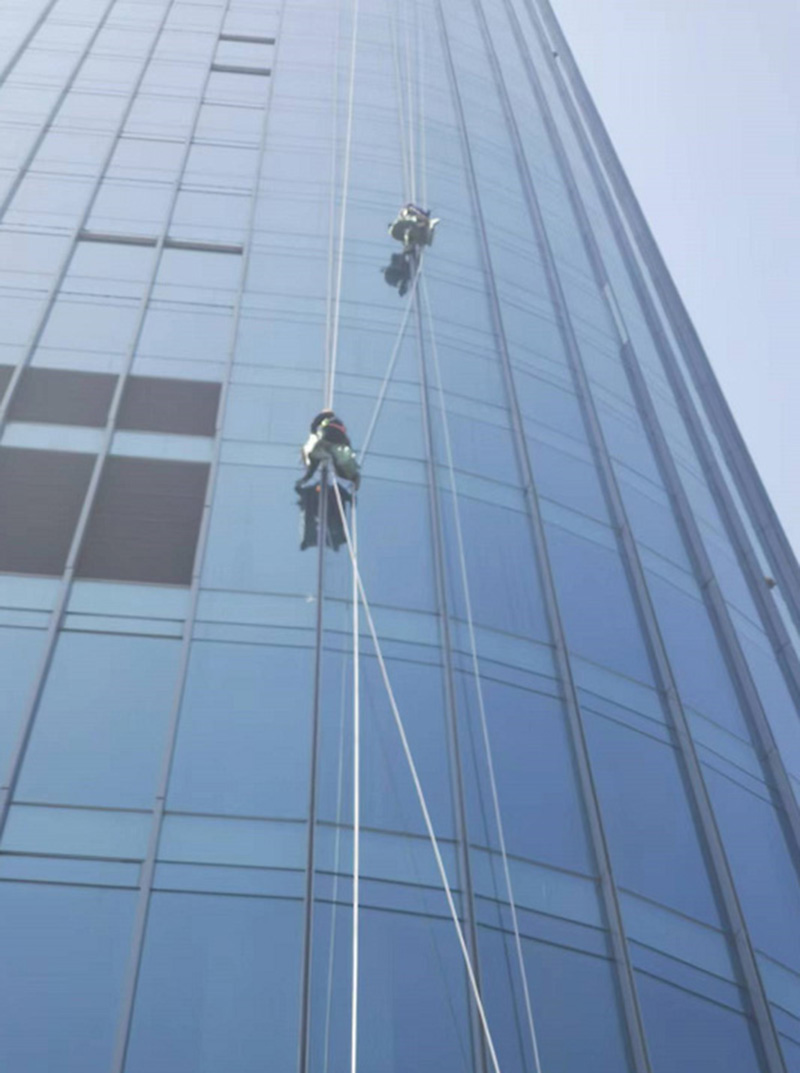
[(702, 101)]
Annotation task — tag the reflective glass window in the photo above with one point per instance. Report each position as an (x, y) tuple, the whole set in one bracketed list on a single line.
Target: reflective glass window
[(595, 602), (218, 987), (690, 1034), (65, 950), (651, 832), (100, 729), (244, 737), (533, 765)]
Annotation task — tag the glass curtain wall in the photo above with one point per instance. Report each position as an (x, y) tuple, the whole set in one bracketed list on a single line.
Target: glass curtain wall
[(585, 615)]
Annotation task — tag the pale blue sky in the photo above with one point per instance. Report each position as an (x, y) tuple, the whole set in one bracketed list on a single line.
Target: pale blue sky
[(702, 100)]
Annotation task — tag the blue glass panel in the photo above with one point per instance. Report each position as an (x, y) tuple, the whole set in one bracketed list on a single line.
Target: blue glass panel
[(503, 581), (687, 1034), (64, 954), (575, 1009), (539, 797), (388, 798), (218, 987), (596, 605), (99, 733), (20, 651), (762, 868), (694, 653), (652, 835), (244, 735), (413, 1012)]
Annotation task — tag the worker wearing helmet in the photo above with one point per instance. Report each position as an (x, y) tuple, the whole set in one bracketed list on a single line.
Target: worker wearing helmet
[(413, 227), (328, 442)]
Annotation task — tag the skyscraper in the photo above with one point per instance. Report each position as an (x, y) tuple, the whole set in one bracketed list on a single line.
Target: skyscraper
[(559, 734)]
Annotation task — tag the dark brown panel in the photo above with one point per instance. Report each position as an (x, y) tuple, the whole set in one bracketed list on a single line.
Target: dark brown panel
[(41, 493), (63, 397), (145, 521), (153, 404), (5, 376)]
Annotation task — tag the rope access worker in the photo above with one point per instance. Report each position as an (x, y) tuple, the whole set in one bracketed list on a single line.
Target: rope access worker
[(309, 497), (413, 227), (398, 272), (328, 442)]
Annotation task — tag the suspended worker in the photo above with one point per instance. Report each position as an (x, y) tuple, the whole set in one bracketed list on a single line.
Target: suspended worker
[(398, 272), (328, 442), (309, 497), (413, 227)]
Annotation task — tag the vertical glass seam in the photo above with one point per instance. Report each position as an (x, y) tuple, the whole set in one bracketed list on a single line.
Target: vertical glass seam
[(630, 1006), (148, 864), (699, 793), (57, 614), (749, 484), (703, 570), (462, 836)]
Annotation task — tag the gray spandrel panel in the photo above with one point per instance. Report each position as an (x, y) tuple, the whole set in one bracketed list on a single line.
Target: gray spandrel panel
[(145, 521), (61, 397), (186, 407), (41, 494)]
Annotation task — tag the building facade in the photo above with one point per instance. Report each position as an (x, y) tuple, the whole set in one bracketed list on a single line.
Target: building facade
[(585, 610)]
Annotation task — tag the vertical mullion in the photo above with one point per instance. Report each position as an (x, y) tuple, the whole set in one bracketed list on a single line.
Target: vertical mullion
[(457, 785), (304, 1033), (713, 599), (149, 863), (57, 614), (608, 891), (47, 123), (26, 40), (744, 473), (702, 807), (52, 294)]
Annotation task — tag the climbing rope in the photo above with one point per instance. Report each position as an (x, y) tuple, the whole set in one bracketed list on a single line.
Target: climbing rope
[(412, 767), (477, 677), (348, 146)]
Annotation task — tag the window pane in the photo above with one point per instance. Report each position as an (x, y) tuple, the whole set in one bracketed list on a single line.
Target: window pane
[(687, 1033), (64, 953), (231, 967), (243, 744), (99, 732)]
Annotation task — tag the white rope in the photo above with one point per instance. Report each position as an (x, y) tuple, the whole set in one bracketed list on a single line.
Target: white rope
[(478, 687), (332, 203), (356, 804), (391, 364), (336, 860), (400, 108), (343, 215), (410, 111), (418, 787), (423, 141)]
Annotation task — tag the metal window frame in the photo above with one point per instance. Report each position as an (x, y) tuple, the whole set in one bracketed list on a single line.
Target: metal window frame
[(783, 561), (607, 887)]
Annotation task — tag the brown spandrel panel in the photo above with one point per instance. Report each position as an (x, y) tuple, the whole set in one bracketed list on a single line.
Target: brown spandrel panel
[(41, 494), (5, 376), (156, 404), (145, 521), (63, 397)]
